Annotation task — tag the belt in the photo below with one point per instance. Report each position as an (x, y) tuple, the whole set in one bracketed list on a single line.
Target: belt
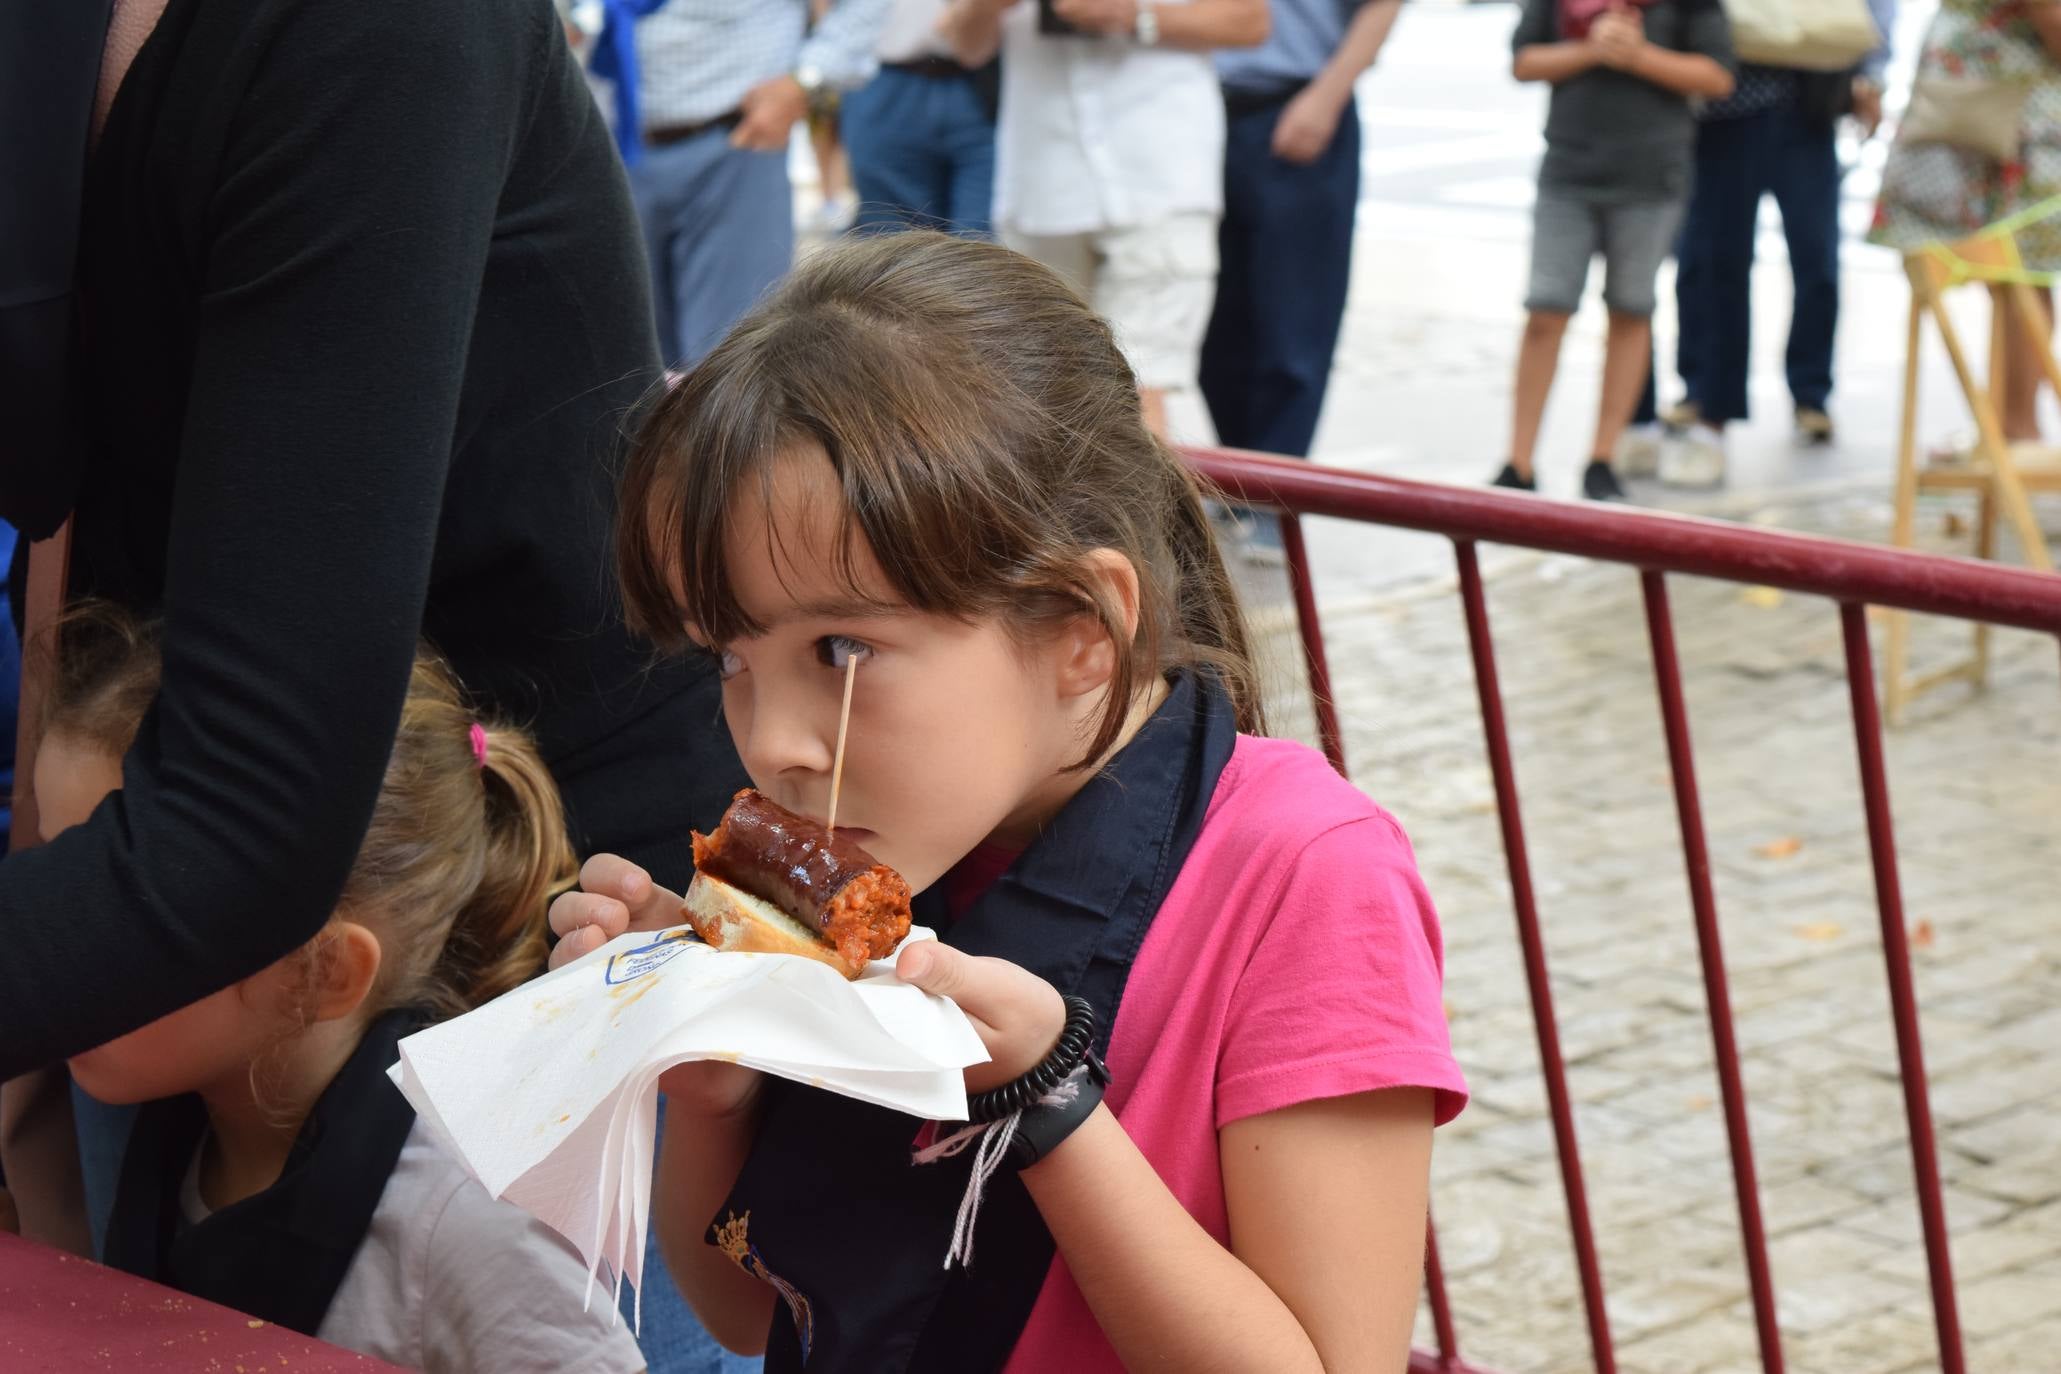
[(1239, 101), (663, 135), (937, 68)]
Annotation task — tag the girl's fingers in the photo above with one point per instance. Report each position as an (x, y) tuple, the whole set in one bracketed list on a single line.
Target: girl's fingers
[(611, 875), (1018, 1014), (648, 906), (940, 970), (573, 910), (577, 945), (657, 909)]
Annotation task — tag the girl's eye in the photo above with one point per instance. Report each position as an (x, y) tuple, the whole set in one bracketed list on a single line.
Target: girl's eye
[(727, 664), (835, 651)]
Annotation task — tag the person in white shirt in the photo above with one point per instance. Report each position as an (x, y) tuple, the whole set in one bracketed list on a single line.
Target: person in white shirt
[(1109, 163)]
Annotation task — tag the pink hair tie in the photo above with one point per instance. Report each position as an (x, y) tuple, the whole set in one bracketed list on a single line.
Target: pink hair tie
[(479, 745)]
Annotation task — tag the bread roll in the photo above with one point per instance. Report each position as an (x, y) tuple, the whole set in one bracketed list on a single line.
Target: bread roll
[(730, 918)]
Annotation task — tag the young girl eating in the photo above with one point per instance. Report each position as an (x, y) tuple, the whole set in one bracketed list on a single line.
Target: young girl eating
[(275, 1169), (926, 455)]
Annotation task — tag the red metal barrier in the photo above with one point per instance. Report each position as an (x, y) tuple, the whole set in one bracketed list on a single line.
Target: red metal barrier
[(1853, 575)]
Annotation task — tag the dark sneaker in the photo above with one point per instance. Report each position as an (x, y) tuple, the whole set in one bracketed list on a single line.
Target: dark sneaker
[(1513, 479), (1599, 483), (1813, 426)]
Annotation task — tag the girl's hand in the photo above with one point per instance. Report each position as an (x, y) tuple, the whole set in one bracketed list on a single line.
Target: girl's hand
[(1018, 1014), (614, 896)]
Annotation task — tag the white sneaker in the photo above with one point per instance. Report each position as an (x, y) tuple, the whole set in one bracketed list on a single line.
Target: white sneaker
[(1638, 449), (1696, 459), (833, 217), (1681, 415)]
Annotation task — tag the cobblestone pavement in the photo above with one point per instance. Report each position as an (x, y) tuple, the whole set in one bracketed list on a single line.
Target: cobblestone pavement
[(1977, 788)]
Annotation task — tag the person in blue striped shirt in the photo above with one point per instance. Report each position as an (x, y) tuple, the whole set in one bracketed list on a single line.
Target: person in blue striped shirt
[(707, 97)]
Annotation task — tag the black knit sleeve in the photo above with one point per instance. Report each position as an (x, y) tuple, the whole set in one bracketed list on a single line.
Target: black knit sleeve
[(346, 239)]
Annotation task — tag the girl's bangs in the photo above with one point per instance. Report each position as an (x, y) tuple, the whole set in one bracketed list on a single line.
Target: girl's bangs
[(694, 463)]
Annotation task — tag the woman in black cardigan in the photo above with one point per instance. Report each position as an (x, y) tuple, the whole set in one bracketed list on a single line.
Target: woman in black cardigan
[(358, 316)]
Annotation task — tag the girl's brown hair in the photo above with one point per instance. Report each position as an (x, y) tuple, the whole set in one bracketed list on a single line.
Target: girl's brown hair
[(987, 434), (463, 855)]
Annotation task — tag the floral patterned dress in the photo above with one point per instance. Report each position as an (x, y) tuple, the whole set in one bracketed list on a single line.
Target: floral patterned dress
[(1933, 191)]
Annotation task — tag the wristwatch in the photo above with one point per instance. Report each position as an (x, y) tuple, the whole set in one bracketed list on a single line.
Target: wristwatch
[(813, 88), (1147, 31)]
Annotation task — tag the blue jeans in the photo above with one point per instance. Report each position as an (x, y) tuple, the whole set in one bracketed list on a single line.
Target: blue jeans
[(103, 1133), (922, 151), (1284, 261), (1790, 155), (718, 231), (672, 1338)]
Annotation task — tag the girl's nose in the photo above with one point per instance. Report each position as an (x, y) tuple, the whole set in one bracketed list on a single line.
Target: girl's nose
[(782, 735)]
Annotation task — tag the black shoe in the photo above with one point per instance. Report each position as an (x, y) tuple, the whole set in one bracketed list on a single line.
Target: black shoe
[(1813, 426), (1599, 483), (1510, 477)]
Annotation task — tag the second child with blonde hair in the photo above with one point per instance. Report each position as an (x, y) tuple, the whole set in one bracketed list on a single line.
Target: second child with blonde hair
[(274, 1169)]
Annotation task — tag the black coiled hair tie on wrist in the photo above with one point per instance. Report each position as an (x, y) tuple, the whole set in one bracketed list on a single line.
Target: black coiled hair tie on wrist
[(1076, 1046)]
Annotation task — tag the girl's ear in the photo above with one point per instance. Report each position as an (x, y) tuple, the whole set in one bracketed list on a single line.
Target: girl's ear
[(346, 966), (1087, 657)]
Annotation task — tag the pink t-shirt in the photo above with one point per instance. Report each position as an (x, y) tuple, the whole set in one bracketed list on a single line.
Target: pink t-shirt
[(1297, 957)]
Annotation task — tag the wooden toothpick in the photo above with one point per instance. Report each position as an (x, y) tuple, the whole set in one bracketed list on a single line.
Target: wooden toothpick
[(844, 721)]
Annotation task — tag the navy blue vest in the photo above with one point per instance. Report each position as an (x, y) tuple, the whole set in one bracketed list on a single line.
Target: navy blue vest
[(281, 1254), (830, 1210)]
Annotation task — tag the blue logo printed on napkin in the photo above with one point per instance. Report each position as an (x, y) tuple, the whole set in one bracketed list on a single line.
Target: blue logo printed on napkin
[(632, 964)]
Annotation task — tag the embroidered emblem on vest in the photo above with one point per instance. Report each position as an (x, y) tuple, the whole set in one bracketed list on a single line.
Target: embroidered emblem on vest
[(731, 1237)]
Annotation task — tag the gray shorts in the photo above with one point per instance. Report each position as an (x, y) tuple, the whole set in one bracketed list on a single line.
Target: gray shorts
[(1567, 231)]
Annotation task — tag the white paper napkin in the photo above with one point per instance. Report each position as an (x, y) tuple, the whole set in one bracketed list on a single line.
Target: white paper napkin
[(549, 1094)]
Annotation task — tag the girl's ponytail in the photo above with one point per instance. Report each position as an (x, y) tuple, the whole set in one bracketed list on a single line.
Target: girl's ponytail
[(498, 937), (466, 849)]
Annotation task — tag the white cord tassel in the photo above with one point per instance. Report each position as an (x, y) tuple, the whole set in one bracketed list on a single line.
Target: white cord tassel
[(994, 1137)]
